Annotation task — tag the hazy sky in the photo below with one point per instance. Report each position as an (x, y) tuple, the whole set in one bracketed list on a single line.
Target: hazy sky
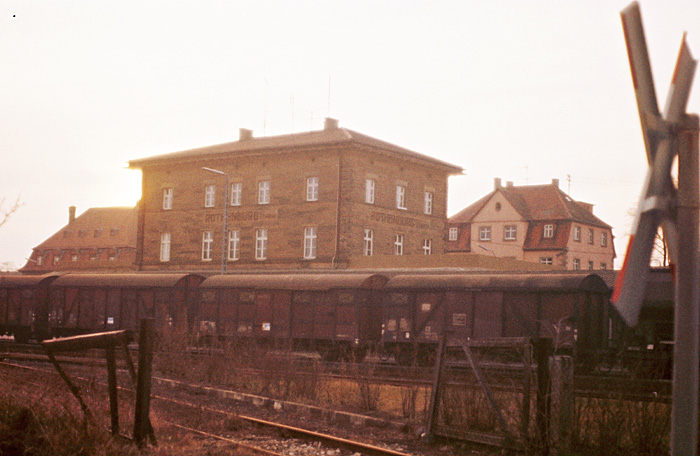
[(523, 90)]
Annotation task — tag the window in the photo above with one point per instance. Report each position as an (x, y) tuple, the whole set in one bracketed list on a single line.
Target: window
[(236, 194), (207, 244), (312, 189), (398, 244), (546, 260), (453, 232), (39, 260), (577, 264), (369, 242), (369, 191), (590, 235), (167, 199), (510, 232), (603, 266), (590, 265), (400, 197), (209, 195), (428, 203), (310, 242), (427, 246), (485, 233), (577, 233), (261, 244), (548, 231), (604, 239), (234, 245), (56, 259), (264, 192), (164, 246)]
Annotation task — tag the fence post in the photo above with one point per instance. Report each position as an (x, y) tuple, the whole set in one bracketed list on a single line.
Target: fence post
[(542, 351), (562, 403), (142, 423)]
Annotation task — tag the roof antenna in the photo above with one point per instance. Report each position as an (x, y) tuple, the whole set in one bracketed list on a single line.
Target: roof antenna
[(329, 96), (265, 113), (568, 184)]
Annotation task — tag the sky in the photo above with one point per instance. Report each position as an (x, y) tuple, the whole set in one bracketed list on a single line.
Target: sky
[(523, 90)]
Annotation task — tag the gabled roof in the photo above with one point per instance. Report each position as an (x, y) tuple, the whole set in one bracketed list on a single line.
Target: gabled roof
[(291, 142), (98, 227), (535, 203)]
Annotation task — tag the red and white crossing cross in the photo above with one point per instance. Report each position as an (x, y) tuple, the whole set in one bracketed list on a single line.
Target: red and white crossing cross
[(658, 194)]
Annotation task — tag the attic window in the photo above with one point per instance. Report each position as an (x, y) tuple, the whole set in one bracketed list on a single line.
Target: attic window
[(498, 206), (548, 231), (67, 233), (114, 231), (82, 233), (98, 232)]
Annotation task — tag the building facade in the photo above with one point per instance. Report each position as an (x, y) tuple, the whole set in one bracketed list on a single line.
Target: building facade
[(536, 223), (101, 239), (306, 200)]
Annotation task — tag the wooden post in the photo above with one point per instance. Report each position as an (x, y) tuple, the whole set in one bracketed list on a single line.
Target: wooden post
[(542, 350), (434, 408), (527, 385), (112, 385), (562, 403), (142, 423)]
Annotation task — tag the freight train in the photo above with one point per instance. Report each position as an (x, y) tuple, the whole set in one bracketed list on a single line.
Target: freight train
[(338, 314)]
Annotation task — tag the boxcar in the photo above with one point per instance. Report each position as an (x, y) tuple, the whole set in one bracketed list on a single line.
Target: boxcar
[(23, 306), (336, 314), (420, 308), (85, 303)]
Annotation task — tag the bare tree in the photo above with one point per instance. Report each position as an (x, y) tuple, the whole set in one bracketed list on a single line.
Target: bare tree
[(6, 212)]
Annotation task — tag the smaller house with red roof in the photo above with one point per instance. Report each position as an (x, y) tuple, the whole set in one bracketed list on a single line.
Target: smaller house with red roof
[(536, 223), (101, 239)]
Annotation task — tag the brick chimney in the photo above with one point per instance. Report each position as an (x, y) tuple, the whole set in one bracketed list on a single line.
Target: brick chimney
[(330, 123), (496, 183), (509, 184), (71, 214), (555, 182), (244, 134)]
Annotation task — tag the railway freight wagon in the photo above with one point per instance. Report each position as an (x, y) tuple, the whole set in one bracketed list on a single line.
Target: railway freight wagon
[(23, 301), (86, 303), (418, 309), (338, 315)]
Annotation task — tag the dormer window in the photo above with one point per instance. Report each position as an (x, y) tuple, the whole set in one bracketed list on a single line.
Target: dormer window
[(548, 231), (114, 231)]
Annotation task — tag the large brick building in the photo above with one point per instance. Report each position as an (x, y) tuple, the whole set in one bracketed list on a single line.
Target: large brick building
[(534, 223), (306, 200)]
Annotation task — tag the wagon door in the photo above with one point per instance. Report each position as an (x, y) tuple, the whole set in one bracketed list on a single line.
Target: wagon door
[(86, 312), (557, 322), (488, 314), (459, 322), (348, 312), (113, 309), (302, 316), (430, 315), (520, 314), (72, 301), (227, 324), (246, 313), (281, 313), (208, 314), (263, 315), (397, 318), (324, 316), (129, 310)]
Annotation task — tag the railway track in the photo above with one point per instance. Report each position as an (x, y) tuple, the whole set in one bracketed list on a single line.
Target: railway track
[(285, 430)]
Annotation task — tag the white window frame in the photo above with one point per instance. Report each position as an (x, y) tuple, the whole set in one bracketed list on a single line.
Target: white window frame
[(591, 236), (590, 265), (577, 233), (453, 234), (370, 184), (510, 232), (485, 233), (312, 189), (236, 193), (210, 195), (604, 239), (368, 242), (167, 199), (548, 231), (261, 244), (165, 247), (546, 260), (207, 245), (427, 246), (234, 245), (401, 197), (428, 203), (398, 244), (310, 242), (264, 192), (577, 264), (603, 266)]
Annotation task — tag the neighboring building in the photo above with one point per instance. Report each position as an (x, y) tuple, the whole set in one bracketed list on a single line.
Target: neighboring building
[(536, 223), (306, 200), (99, 240)]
